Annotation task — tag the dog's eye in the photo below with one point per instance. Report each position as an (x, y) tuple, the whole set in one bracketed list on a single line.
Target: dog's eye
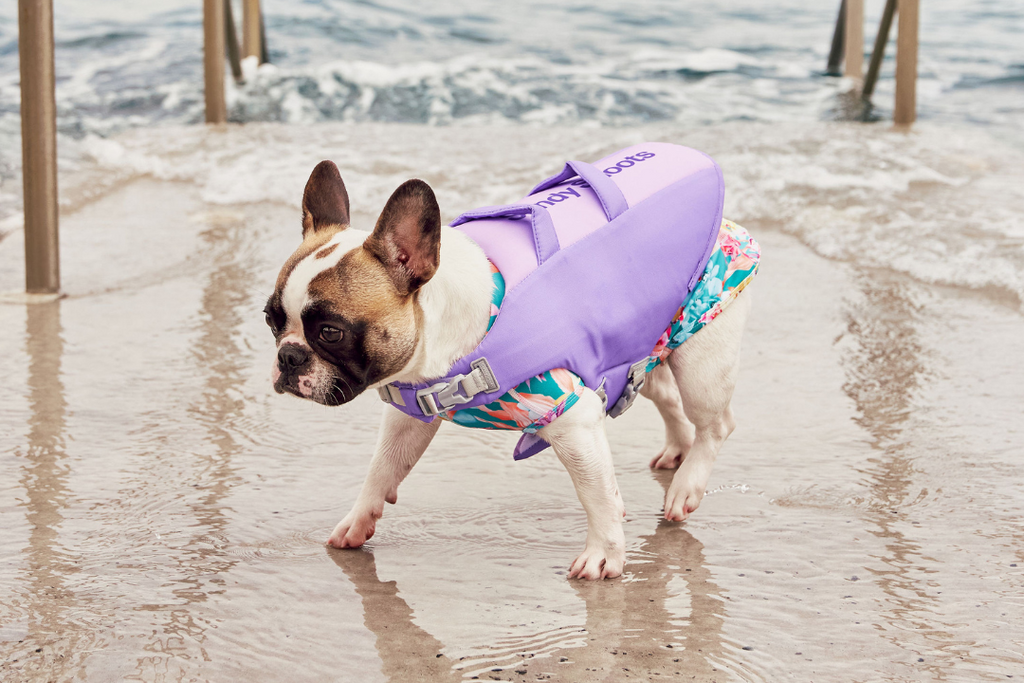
[(270, 321), (330, 334)]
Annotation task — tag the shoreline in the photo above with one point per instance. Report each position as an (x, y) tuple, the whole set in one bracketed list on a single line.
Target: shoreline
[(167, 519), (941, 204)]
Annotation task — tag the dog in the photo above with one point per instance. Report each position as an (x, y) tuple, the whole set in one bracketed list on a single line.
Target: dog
[(354, 310)]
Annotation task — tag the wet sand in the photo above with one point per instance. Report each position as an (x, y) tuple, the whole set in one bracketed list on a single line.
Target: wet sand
[(164, 512)]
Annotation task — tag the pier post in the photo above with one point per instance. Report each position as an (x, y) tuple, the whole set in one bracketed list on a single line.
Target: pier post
[(39, 146), (213, 61), (905, 111), (232, 42), (264, 54), (854, 39), (251, 43), (835, 53), (878, 54)]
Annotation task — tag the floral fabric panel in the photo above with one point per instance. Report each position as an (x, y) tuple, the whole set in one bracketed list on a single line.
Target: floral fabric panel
[(731, 267), (498, 296), (539, 400)]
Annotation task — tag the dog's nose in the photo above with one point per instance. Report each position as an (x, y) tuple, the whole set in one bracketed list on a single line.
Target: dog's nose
[(292, 356)]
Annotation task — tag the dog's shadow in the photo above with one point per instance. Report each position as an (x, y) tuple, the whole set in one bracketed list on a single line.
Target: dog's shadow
[(630, 623), (644, 617), (407, 652)]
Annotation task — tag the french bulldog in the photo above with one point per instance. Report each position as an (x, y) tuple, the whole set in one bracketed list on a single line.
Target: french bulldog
[(354, 310)]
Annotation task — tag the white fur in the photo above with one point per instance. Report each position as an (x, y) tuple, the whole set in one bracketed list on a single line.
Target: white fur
[(692, 394), (456, 306), (578, 439)]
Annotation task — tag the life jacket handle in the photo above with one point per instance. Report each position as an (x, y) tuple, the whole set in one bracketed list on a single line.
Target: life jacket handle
[(545, 239), (608, 193)]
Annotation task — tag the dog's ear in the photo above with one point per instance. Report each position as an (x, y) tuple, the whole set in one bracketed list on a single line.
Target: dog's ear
[(407, 237), (324, 201)]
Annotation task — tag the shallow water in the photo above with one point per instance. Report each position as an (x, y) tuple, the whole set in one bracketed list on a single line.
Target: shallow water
[(164, 511)]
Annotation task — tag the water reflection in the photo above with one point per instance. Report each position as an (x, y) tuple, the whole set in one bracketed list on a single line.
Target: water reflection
[(220, 360), (407, 652), (52, 645), (628, 625), (885, 368)]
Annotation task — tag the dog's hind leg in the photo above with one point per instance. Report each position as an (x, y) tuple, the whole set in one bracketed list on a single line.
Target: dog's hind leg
[(400, 444), (662, 389), (705, 368), (579, 441)]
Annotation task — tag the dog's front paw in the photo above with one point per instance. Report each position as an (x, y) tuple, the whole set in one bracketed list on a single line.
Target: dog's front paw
[(687, 488), (679, 504), (600, 560), (353, 531)]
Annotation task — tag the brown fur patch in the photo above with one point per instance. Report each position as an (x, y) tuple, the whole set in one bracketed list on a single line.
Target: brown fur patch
[(326, 251), (359, 289)]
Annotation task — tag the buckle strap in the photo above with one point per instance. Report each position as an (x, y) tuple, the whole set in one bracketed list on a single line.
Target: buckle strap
[(389, 393), (443, 395), (637, 377), (446, 394)]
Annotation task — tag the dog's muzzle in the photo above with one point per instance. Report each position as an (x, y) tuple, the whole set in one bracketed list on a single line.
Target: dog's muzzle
[(293, 361)]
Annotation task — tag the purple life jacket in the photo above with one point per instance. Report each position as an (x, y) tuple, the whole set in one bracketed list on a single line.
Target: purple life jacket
[(596, 261)]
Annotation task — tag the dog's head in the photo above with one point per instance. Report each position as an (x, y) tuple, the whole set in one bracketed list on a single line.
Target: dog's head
[(344, 309)]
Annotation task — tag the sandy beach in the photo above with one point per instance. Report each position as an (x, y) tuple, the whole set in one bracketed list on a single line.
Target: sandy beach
[(164, 512)]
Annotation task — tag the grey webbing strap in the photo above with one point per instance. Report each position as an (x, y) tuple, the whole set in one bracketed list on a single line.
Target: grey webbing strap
[(635, 382)]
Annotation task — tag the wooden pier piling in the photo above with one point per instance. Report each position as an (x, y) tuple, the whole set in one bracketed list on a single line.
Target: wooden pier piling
[(835, 54), (854, 39), (905, 112), (231, 37), (213, 61), (39, 146), (252, 45), (878, 53)]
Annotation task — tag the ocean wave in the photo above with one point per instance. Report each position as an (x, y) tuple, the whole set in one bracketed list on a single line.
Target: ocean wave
[(942, 205), (646, 86)]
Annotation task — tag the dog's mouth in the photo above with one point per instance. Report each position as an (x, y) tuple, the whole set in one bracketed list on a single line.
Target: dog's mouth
[(339, 392), (336, 392)]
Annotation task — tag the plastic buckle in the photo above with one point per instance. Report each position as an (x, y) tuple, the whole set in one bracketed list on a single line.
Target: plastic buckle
[(389, 393), (637, 378), (446, 398), (481, 366), (425, 397)]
